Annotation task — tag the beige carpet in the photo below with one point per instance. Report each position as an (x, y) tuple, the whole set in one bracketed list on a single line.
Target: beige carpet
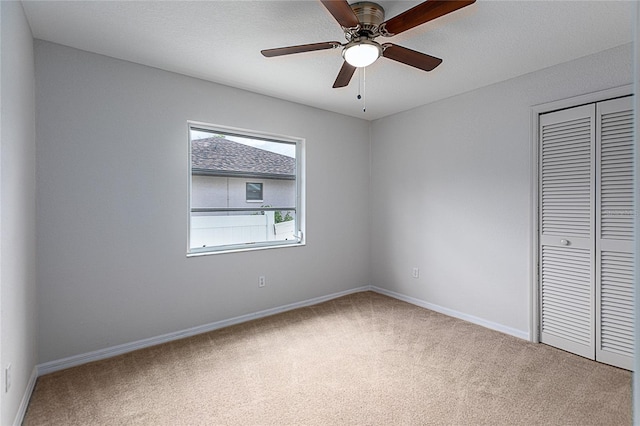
[(363, 359)]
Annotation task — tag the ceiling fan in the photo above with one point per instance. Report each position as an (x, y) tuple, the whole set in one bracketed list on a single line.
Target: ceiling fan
[(362, 22)]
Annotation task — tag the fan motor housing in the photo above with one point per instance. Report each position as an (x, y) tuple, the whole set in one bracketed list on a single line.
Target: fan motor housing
[(369, 14)]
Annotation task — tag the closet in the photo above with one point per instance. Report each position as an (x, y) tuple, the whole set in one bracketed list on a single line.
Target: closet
[(586, 231)]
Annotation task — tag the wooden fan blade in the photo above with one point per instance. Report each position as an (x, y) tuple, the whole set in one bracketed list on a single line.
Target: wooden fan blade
[(344, 76), (410, 57), (424, 12), (279, 51), (342, 12)]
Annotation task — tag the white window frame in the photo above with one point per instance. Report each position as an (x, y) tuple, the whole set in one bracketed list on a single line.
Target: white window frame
[(299, 143)]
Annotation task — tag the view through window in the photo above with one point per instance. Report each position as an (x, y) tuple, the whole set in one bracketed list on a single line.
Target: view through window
[(245, 190)]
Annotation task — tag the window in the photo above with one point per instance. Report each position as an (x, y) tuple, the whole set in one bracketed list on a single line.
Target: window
[(245, 190), (254, 191)]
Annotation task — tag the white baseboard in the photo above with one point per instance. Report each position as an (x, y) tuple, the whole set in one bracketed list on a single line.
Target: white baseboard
[(72, 361), (450, 312), (75, 360), (24, 403)]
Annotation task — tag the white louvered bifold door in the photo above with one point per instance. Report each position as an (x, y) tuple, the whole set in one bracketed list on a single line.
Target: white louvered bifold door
[(614, 233), (567, 222)]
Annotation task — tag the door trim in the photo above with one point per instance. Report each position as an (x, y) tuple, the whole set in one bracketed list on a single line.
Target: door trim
[(536, 111)]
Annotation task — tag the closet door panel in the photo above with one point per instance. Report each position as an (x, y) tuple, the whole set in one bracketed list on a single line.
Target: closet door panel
[(567, 144), (614, 233)]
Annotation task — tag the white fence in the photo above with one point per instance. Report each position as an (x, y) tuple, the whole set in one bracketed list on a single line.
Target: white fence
[(285, 230), (207, 231)]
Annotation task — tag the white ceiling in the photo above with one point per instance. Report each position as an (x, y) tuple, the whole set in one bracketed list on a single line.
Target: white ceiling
[(220, 41)]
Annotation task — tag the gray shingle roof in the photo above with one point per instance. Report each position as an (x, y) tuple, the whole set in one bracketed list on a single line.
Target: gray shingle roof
[(219, 156)]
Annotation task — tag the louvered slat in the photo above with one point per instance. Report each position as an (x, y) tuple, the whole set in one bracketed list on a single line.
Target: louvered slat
[(566, 293), (616, 175), (616, 300), (566, 177)]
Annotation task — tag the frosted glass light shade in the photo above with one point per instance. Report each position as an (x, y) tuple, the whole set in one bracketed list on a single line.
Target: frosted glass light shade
[(361, 54)]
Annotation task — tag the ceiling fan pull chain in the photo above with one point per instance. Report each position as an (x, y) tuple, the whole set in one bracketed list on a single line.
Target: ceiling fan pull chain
[(362, 78), (359, 83), (364, 89)]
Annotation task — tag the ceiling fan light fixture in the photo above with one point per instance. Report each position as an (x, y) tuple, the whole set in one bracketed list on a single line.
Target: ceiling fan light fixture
[(362, 53)]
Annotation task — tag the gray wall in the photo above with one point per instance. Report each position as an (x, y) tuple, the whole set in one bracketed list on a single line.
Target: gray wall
[(450, 194), (112, 164), (17, 207), (451, 191)]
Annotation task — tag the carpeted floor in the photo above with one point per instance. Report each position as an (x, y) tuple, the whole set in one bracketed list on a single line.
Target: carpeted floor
[(363, 359)]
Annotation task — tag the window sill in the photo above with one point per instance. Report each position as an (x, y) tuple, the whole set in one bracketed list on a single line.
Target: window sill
[(247, 248)]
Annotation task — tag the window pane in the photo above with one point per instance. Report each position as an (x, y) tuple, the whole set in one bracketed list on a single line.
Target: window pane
[(244, 191), (254, 191)]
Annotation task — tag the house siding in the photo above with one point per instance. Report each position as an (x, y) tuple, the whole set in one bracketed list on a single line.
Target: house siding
[(216, 191)]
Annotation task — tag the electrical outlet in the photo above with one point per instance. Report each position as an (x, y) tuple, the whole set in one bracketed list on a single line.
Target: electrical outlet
[(7, 378), (262, 281), (415, 273)]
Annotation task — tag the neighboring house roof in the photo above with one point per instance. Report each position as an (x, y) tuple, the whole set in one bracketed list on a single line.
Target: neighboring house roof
[(221, 157)]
